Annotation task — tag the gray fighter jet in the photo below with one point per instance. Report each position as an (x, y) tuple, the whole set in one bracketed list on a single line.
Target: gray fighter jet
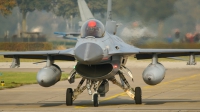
[(100, 56)]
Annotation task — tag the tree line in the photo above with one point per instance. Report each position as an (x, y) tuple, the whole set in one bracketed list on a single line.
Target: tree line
[(64, 8), (149, 11)]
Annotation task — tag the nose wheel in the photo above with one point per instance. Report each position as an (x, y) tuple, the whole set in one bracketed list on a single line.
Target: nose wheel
[(95, 100), (138, 95), (69, 94)]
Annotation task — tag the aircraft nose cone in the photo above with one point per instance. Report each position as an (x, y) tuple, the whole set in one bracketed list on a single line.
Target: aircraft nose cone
[(89, 53)]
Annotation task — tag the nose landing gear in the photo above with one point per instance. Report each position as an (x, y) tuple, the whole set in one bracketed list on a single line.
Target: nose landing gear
[(95, 100), (100, 88)]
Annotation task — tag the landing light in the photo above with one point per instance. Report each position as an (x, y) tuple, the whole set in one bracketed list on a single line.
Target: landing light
[(115, 66)]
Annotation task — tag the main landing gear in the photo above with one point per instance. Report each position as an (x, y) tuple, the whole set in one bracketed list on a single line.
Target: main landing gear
[(69, 95), (101, 88), (138, 95), (134, 94)]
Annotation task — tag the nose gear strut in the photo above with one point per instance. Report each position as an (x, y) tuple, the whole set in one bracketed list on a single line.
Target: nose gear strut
[(72, 95)]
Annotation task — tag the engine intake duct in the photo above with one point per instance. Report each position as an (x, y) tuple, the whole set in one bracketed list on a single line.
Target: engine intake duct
[(94, 71)]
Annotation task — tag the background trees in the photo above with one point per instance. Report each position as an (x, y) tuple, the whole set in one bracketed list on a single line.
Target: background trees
[(26, 6), (66, 8), (147, 11), (63, 8), (6, 6), (162, 15), (99, 6)]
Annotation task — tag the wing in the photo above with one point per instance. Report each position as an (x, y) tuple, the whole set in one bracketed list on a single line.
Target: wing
[(121, 48), (68, 35), (76, 34), (126, 49), (67, 54), (163, 53)]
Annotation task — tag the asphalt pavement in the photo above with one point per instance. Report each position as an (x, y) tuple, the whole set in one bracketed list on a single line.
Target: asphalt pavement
[(179, 91)]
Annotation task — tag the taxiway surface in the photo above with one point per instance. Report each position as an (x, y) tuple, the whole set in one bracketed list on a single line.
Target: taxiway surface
[(179, 91)]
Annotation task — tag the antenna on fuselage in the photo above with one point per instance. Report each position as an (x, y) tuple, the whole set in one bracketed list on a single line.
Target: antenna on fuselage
[(111, 26)]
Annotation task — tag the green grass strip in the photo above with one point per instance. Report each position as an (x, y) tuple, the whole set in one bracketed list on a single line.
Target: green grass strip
[(16, 79)]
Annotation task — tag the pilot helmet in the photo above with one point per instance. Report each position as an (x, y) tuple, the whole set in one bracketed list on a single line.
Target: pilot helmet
[(92, 28)]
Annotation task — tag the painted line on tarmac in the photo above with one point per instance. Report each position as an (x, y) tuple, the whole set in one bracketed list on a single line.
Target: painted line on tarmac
[(106, 99), (145, 87), (175, 80)]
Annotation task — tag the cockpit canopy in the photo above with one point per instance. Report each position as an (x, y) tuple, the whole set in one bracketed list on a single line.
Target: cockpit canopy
[(93, 28)]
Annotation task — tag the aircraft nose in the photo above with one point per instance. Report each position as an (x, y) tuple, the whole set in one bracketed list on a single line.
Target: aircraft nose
[(89, 53)]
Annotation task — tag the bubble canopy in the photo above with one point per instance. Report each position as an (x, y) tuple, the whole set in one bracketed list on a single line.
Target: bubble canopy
[(93, 28)]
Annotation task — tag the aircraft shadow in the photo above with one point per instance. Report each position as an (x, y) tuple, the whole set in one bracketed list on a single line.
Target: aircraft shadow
[(116, 101), (43, 104), (119, 101)]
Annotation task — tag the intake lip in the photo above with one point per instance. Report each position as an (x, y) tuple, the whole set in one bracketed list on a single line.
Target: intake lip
[(94, 71), (88, 53)]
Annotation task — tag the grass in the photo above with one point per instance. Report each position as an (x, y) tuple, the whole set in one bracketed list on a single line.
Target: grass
[(16, 79)]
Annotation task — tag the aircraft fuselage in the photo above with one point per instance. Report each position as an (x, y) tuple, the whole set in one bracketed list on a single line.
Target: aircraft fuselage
[(94, 61)]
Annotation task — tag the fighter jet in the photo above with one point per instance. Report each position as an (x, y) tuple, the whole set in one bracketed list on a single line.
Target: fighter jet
[(101, 57)]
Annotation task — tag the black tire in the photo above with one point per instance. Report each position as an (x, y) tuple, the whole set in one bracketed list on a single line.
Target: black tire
[(138, 95), (95, 100), (69, 94)]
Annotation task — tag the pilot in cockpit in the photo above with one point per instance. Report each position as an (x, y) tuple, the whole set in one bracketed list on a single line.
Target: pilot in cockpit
[(92, 28)]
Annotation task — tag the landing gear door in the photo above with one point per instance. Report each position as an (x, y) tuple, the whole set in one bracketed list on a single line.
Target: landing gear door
[(71, 77)]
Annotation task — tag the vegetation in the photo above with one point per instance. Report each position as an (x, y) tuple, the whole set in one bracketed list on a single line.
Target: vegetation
[(16, 79), (167, 14), (26, 6), (64, 8), (6, 6), (97, 7), (67, 8), (25, 46), (162, 15)]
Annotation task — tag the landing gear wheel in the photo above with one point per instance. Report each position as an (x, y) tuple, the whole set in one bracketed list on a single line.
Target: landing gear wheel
[(69, 94), (138, 95), (95, 100)]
